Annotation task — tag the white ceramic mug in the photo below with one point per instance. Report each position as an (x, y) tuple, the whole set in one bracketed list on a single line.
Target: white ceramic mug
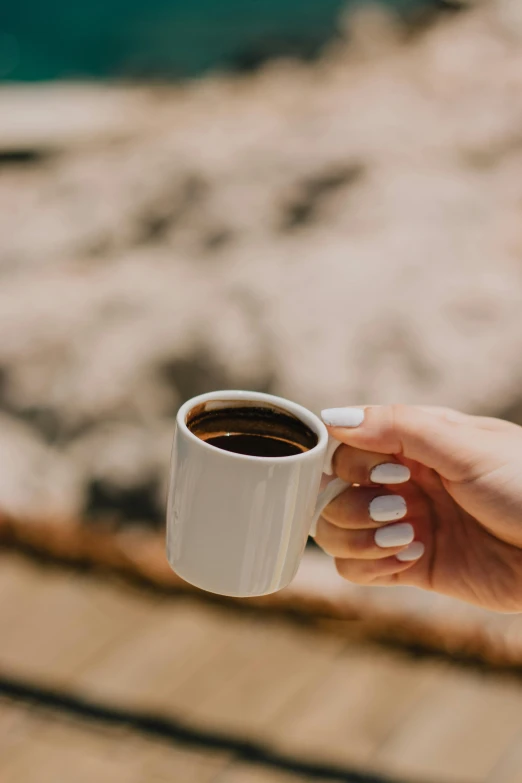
[(237, 524)]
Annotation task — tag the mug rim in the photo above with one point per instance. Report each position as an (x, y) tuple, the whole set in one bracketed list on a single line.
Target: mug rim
[(303, 414)]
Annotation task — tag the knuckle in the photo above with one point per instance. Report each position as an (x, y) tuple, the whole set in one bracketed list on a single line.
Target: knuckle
[(343, 568), (398, 414), (353, 511), (349, 571), (358, 544), (350, 465), (336, 542)]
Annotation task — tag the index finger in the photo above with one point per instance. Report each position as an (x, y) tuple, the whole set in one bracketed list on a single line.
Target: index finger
[(456, 448), (368, 468)]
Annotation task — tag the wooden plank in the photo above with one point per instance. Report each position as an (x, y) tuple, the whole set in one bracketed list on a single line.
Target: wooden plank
[(61, 621), (16, 723), (245, 773), (180, 638), (459, 732), (81, 752), (255, 676), (19, 582), (347, 716), (164, 763), (300, 690), (205, 664), (509, 767)]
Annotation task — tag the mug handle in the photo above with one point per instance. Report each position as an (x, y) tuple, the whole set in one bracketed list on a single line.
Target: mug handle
[(333, 488)]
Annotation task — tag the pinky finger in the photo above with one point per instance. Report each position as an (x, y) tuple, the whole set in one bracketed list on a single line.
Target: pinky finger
[(379, 572)]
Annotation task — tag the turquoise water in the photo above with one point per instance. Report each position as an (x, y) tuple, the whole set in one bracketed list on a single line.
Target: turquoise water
[(51, 39)]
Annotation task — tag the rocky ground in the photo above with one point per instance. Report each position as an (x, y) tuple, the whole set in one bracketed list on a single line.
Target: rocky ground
[(340, 232)]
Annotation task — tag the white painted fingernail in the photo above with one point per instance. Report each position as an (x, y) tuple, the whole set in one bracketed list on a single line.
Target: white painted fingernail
[(413, 552), (386, 508), (394, 535), (343, 417), (390, 473)]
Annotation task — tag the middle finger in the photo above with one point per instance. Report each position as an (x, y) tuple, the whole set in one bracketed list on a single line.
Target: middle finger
[(365, 507)]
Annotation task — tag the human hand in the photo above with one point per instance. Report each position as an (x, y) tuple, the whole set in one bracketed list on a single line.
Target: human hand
[(460, 502)]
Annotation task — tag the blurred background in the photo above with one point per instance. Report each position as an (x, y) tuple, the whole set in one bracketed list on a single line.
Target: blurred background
[(318, 199)]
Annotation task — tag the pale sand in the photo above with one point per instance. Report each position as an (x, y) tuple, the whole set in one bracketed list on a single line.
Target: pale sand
[(341, 233)]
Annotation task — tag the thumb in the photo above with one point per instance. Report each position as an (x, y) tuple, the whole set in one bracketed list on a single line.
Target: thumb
[(453, 446)]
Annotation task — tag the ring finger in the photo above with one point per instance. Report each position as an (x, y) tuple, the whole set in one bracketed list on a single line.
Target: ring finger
[(364, 544), (365, 507)]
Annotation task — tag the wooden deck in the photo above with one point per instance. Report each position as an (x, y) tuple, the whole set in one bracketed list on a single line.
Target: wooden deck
[(100, 681)]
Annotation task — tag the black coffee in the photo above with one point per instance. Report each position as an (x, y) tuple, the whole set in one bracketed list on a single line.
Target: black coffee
[(255, 445), (252, 430)]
